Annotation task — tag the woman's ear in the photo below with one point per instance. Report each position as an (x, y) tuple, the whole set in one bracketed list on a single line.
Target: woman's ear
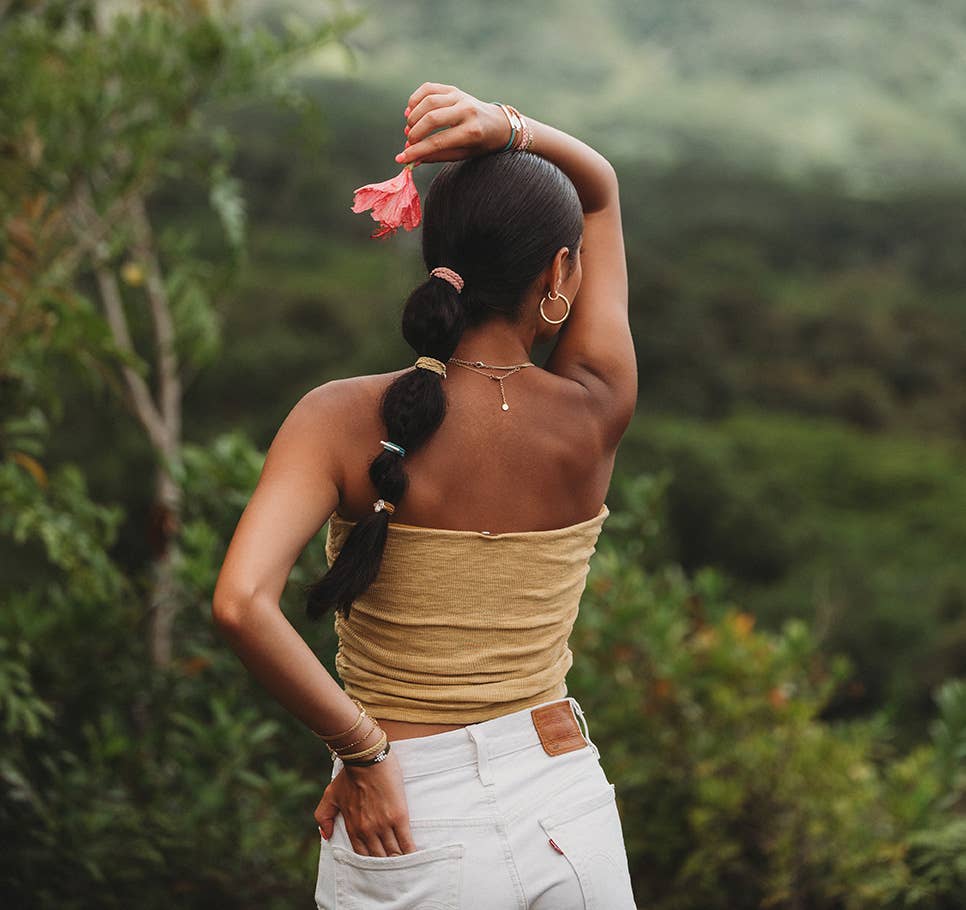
[(562, 268)]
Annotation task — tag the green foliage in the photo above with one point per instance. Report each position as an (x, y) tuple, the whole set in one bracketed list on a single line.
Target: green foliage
[(23, 713), (949, 734), (808, 518), (120, 784), (104, 107), (733, 792)]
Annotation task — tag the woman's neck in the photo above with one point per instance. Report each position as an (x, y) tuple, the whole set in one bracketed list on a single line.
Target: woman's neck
[(497, 342)]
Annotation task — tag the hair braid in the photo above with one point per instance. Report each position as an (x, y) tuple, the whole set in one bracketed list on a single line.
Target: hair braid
[(413, 406)]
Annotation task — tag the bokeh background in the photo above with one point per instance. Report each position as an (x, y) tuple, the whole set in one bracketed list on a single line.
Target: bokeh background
[(772, 646)]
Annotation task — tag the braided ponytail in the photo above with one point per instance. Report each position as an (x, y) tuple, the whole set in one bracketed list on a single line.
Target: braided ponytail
[(497, 220), (412, 407)]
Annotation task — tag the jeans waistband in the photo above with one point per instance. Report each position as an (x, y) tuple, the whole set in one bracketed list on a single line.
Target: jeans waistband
[(476, 742)]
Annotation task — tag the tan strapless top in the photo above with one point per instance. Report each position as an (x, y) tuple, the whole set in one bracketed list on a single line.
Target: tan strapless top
[(463, 626)]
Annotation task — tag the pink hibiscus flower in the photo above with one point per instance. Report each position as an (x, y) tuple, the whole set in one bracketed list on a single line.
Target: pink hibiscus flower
[(394, 203)]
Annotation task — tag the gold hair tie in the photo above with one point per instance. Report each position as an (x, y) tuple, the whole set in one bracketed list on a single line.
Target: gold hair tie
[(381, 504), (431, 363)]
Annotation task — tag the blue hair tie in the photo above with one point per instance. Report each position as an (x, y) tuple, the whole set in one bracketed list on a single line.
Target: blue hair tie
[(392, 447)]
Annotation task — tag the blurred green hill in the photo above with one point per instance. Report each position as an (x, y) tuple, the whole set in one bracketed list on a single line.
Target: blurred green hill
[(869, 93)]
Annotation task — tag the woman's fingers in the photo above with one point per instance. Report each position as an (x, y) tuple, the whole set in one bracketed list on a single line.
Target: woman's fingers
[(445, 145), (385, 843), (404, 838), (326, 811), (359, 844), (437, 118), (426, 89), (433, 102), (390, 844)]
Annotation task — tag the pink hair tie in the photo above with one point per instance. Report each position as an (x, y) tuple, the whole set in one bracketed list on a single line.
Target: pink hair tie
[(448, 275)]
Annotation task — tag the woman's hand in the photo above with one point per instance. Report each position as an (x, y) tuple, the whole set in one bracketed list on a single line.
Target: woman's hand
[(372, 800), (466, 126)]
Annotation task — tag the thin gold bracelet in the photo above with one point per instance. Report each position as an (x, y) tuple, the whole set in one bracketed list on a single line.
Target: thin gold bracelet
[(362, 738), (362, 714)]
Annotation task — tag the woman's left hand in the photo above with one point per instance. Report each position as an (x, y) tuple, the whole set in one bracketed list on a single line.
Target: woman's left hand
[(464, 126)]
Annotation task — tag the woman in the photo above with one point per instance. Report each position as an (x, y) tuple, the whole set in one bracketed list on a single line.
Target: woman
[(462, 516)]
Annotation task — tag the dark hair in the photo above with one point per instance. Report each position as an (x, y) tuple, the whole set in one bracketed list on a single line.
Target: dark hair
[(497, 220)]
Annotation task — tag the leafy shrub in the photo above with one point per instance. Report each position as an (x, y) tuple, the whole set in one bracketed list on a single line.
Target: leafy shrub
[(733, 793)]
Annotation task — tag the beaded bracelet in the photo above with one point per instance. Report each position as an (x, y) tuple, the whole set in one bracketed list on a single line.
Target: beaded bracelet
[(371, 761)]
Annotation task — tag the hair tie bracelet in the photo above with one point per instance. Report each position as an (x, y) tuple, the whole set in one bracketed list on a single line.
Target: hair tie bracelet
[(431, 363), (392, 447), (448, 275), (381, 504)]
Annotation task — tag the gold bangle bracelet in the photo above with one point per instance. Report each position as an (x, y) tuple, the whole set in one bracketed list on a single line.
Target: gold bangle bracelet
[(372, 750)]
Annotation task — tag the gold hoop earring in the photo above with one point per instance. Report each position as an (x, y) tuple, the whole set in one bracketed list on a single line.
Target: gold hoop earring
[(556, 296)]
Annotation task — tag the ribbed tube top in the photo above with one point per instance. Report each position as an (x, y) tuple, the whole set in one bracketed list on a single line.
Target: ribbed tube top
[(463, 626)]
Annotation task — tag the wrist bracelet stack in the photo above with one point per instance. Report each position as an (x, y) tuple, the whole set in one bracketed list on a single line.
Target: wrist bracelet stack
[(521, 132), (369, 756)]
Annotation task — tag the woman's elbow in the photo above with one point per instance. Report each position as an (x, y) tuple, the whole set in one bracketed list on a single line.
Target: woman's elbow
[(225, 613), (228, 607)]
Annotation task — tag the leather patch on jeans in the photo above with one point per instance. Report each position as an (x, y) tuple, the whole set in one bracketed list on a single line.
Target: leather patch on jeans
[(557, 727)]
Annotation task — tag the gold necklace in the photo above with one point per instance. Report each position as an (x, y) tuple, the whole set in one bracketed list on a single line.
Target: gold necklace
[(475, 366)]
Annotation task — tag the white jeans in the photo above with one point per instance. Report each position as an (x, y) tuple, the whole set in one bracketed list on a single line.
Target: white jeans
[(498, 823)]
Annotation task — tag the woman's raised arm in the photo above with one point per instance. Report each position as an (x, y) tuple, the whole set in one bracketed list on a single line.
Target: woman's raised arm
[(594, 347)]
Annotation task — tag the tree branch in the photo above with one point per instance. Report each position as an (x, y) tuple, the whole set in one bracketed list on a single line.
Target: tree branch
[(169, 381), (140, 394), (89, 228)]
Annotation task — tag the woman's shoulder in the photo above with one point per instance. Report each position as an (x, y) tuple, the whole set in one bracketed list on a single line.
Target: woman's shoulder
[(350, 392)]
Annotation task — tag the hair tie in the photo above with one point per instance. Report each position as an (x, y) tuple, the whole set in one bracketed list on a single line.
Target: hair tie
[(448, 275), (393, 447), (431, 363), (381, 504)]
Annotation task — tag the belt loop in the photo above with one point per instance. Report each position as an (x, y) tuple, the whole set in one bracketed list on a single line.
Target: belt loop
[(580, 716), (482, 754)]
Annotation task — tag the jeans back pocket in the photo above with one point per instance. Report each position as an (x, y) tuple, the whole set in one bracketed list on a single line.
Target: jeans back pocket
[(588, 834), (428, 879)]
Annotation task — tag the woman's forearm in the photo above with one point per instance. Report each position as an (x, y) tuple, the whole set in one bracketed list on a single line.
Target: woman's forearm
[(268, 645), (589, 171)]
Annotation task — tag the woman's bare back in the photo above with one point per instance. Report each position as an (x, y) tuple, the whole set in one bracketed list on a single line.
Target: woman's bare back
[(542, 464)]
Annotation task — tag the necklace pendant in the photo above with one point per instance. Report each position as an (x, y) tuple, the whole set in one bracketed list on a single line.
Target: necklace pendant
[(505, 406)]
